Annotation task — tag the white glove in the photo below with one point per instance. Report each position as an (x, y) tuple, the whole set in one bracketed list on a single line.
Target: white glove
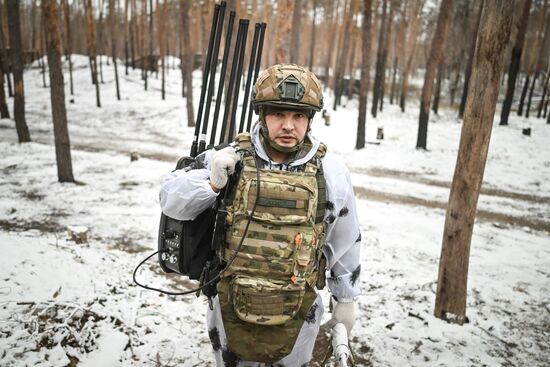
[(343, 313), (223, 165)]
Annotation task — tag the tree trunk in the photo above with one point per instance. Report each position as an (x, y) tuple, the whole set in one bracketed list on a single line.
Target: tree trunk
[(92, 46), (296, 32), (523, 93), (112, 20), (413, 42), (542, 39), (468, 71), (333, 19), (365, 77), (144, 64), (437, 92), (313, 34), (284, 11), (185, 6), (515, 63), (68, 47), (532, 59), (351, 66), (496, 22), (17, 69), (379, 56), (126, 34), (4, 62), (100, 45), (4, 112), (57, 93), (544, 91), (344, 52), (436, 55), (162, 41)]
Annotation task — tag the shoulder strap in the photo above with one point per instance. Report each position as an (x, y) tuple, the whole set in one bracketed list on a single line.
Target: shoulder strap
[(321, 184)]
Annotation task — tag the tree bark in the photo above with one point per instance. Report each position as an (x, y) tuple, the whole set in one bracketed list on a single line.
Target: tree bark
[(185, 6), (413, 41), (17, 69), (333, 19), (313, 34), (496, 22), (4, 111), (544, 91), (531, 60), (365, 77), (379, 55), (284, 11), (344, 52), (436, 55), (112, 20), (296, 32), (540, 46), (57, 92), (90, 26), (468, 71), (126, 35), (68, 47), (162, 44), (437, 91)]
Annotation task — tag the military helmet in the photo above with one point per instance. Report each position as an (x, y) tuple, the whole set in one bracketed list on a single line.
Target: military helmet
[(288, 85)]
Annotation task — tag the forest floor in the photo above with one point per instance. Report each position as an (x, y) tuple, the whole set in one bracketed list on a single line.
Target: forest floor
[(63, 303)]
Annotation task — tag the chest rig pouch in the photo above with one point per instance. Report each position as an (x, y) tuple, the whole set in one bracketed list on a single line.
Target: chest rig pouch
[(268, 289)]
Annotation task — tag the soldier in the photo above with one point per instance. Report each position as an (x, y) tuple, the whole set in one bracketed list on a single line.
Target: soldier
[(281, 232)]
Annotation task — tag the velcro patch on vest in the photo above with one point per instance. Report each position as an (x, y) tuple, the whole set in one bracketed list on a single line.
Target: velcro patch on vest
[(280, 203)]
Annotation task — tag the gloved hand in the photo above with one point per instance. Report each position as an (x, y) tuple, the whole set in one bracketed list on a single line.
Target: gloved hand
[(343, 313), (223, 165)]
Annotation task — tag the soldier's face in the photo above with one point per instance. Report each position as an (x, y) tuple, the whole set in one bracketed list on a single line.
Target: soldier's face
[(287, 128)]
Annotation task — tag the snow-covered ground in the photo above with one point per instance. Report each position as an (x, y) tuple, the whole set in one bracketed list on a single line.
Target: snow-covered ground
[(62, 302)]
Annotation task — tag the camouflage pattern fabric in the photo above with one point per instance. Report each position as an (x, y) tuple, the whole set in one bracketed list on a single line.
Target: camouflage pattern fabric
[(268, 288), (260, 343)]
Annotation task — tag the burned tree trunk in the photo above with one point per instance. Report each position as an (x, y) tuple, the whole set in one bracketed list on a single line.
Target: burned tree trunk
[(57, 93), (185, 6), (90, 26), (436, 55), (112, 20), (496, 22), (17, 68), (365, 77)]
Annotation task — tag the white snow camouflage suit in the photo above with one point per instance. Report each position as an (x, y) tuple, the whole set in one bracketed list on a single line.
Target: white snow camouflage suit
[(184, 195)]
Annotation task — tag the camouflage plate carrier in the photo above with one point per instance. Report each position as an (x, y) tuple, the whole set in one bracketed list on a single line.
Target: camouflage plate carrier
[(267, 291)]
